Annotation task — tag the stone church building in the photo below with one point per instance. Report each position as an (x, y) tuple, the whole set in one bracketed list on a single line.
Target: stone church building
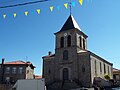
[(73, 65)]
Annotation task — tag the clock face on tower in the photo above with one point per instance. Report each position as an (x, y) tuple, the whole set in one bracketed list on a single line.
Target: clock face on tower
[(65, 34)]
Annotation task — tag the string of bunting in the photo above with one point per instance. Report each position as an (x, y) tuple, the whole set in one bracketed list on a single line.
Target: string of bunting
[(51, 8)]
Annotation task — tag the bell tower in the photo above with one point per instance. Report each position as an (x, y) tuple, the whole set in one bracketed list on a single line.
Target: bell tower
[(69, 41)]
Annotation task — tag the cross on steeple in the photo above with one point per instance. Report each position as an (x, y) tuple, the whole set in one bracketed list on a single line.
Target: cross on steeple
[(70, 6)]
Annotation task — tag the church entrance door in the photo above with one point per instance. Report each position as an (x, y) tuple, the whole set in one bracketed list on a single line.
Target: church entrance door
[(65, 74)]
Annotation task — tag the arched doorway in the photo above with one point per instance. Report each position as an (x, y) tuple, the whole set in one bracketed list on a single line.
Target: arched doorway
[(65, 74)]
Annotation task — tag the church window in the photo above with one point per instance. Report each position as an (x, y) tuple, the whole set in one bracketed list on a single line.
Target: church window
[(65, 55), (65, 74), (49, 71), (95, 68), (69, 41), (83, 68), (62, 42), (100, 67), (83, 43), (104, 68), (108, 70), (80, 40)]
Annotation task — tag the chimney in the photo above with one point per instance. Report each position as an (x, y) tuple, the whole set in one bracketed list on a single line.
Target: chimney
[(3, 59), (49, 53)]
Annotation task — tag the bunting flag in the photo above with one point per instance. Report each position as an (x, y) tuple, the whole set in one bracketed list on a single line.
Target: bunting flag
[(51, 8), (14, 15), (81, 2), (26, 13), (38, 11), (66, 5), (4, 16), (73, 4)]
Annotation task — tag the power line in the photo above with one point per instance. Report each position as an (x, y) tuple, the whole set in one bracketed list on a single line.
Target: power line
[(23, 4)]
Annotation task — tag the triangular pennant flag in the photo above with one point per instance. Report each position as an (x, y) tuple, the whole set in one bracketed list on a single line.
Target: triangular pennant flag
[(4, 16), (14, 15), (38, 11), (73, 4), (26, 13), (58, 7), (81, 2), (51, 8), (66, 5)]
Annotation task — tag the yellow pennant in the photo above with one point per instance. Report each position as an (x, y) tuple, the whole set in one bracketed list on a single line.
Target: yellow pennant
[(38, 11), (81, 2), (66, 5), (14, 15), (26, 13), (4, 16), (51, 8)]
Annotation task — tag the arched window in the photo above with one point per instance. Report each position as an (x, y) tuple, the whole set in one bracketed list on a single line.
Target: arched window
[(69, 41), (83, 68), (83, 43), (80, 40), (65, 74), (62, 42), (65, 55)]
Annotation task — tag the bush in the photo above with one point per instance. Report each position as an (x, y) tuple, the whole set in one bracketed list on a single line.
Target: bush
[(107, 77)]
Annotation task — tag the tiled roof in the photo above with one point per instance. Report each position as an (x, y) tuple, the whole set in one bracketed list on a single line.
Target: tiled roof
[(15, 62), (52, 55), (37, 77), (114, 70), (19, 62)]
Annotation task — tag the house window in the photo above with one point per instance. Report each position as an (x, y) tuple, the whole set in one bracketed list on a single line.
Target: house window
[(100, 67), (27, 71), (7, 79), (80, 40), (14, 70), (62, 42), (83, 43), (69, 41), (65, 55), (104, 69), (7, 70), (20, 70)]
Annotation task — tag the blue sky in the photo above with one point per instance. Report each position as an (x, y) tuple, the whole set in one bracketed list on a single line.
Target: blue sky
[(33, 35)]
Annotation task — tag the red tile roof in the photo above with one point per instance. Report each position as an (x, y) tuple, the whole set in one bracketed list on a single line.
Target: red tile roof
[(37, 77), (19, 62), (15, 62), (114, 70), (52, 55)]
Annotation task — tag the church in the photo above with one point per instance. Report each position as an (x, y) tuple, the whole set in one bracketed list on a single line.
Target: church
[(72, 65)]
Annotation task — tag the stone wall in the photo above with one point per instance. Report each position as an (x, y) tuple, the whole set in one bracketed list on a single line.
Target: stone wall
[(98, 70), (84, 69), (5, 86)]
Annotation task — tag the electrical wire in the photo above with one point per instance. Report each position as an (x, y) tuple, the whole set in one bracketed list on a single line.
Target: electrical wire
[(23, 4)]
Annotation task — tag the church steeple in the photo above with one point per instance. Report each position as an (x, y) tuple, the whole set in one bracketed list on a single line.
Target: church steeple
[(70, 24), (70, 35)]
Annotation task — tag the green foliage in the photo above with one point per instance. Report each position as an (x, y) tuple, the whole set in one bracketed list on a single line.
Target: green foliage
[(107, 77)]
